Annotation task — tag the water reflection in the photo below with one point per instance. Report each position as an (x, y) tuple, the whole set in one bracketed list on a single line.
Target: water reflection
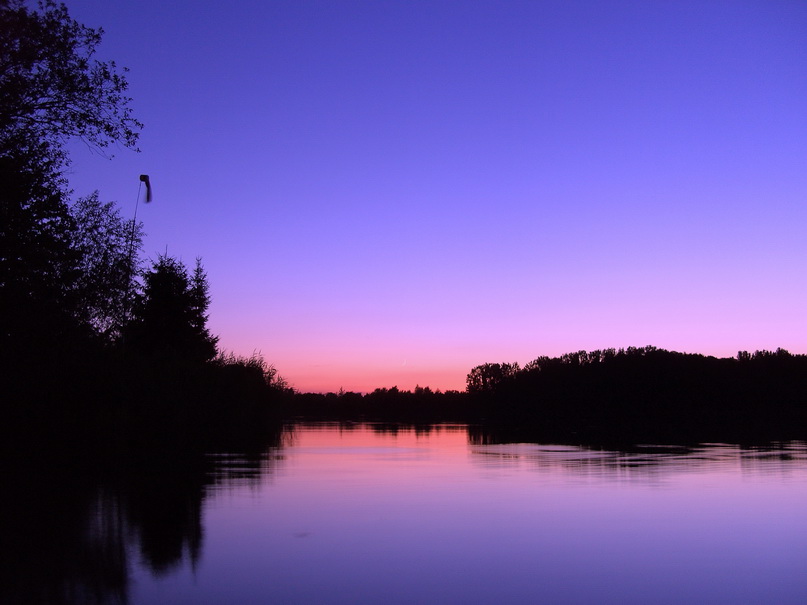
[(494, 447), (377, 428), (647, 461), (73, 533), (466, 497)]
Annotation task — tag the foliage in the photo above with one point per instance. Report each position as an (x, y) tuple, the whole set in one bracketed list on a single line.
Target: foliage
[(36, 258), (647, 391), (170, 317), (255, 363), (51, 87), (106, 249), (54, 284), (63, 269), (488, 376)]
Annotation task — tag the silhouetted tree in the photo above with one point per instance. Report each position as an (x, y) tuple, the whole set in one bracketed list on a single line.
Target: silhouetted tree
[(64, 270), (170, 318), (51, 91), (488, 376), (36, 258), (51, 88), (199, 291), (106, 249)]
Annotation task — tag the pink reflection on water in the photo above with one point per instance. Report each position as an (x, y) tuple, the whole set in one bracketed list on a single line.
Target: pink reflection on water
[(361, 513)]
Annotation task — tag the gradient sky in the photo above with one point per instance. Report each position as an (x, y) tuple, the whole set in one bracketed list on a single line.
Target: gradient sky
[(390, 193)]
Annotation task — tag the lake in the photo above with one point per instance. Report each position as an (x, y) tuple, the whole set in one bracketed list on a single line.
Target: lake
[(361, 513)]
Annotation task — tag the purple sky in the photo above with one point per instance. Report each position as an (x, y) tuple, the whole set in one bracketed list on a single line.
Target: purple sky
[(389, 193)]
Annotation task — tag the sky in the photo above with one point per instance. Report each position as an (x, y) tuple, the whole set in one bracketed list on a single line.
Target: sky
[(389, 193)]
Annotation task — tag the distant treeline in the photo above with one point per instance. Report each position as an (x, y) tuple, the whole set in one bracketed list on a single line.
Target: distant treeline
[(657, 393), (642, 393), (421, 406)]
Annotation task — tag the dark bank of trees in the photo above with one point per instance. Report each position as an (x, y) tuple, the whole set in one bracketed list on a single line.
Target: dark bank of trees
[(96, 348), (419, 406), (648, 393)]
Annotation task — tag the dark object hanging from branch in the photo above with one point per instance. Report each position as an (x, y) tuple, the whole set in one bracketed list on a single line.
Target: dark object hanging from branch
[(145, 179)]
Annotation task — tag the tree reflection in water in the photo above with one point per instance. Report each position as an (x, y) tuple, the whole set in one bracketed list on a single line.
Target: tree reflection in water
[(71, 533), (498, 447)]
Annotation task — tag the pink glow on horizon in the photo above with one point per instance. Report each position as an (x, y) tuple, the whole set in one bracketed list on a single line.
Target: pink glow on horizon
[(444, 365), (350, 379)]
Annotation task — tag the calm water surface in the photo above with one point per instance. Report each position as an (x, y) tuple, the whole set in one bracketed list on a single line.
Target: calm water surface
[(368, 514)]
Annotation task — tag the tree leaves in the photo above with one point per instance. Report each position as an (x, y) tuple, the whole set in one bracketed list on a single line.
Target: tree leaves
[(170, 319), (62, 272), (51, 87)]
